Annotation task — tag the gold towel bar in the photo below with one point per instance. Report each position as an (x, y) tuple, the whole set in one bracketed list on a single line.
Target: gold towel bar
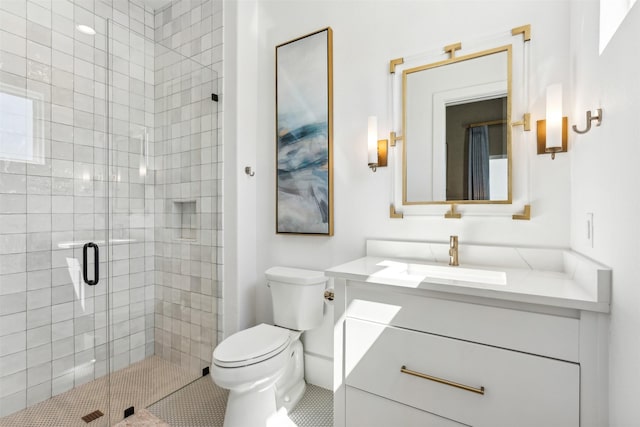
[(404, 370)]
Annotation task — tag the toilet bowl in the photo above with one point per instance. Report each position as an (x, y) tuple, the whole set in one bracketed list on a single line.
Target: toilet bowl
[(263, 366), (249, 363)]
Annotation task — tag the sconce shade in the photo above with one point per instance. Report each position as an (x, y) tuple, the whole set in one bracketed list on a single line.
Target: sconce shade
[(554, 117), (372, 140), (542, 144), (377, 148), (552, 132)]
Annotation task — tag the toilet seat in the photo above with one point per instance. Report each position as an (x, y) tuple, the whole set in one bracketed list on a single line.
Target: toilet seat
[(251, 346)]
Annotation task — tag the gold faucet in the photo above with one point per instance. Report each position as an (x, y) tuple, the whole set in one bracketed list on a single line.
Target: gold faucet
[(453, 250)]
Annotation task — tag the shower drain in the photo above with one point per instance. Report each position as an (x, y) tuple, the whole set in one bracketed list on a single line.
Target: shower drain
[(92, 416)]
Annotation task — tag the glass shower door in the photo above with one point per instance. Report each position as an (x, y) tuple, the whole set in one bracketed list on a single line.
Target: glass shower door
[(54, 191), (109, 210)]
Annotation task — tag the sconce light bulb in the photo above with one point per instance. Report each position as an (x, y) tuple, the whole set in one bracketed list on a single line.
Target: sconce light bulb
[(554, 116), (372, 140)]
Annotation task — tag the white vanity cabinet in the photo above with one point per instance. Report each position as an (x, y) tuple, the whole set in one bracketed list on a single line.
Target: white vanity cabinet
[(482, 385), (428, 352)]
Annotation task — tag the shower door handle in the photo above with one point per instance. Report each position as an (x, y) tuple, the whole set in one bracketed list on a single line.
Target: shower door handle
[(96, 262)]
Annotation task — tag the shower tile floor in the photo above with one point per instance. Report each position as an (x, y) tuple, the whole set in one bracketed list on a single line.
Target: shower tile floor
[(190, 401), (138, 385)]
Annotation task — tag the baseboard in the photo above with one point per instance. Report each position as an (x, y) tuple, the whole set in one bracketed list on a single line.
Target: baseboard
[(318, 370)]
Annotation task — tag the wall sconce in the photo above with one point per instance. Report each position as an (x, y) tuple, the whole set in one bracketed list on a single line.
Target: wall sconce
[(552, 132), (377, 148)]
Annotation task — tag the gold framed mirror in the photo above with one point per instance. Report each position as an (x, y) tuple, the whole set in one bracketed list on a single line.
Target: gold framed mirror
[(456, 116)]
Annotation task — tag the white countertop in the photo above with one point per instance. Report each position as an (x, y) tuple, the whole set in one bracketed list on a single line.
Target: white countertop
[(579, 283)]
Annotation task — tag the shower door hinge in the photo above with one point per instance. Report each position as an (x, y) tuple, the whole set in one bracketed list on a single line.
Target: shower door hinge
[(214, 97), (129, 411)]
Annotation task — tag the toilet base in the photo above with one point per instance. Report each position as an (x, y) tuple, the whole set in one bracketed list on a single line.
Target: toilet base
[(291, 385), (290, 400), (255, 409)]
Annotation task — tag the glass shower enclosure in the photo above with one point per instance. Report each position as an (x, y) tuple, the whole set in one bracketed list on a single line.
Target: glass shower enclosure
[(107, 215)]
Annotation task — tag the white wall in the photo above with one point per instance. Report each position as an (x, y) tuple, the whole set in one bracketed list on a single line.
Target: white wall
[(239, 88), (598, 175), (366, 35), (605, 176)]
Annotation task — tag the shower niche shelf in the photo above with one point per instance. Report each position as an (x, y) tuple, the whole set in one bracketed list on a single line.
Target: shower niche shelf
[(185, 220)]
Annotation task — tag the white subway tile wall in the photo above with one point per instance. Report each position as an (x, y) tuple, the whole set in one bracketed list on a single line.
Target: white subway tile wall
[(166, 293), (188, 159)]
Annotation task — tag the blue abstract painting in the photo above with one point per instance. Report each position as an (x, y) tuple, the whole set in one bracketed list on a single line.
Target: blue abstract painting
[(304, 141)]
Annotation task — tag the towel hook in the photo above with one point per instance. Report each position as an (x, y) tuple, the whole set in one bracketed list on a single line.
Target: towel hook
[(590, 118), (249, 171)]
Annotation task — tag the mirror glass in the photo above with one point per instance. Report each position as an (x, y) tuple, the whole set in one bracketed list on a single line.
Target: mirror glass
[(457, 141)]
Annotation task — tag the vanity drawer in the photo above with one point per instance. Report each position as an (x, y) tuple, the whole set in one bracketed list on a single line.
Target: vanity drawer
[(366, 409), (536, 333), (519, 389)]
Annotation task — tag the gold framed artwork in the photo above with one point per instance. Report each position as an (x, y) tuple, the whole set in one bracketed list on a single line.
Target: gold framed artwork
[(304, 135)]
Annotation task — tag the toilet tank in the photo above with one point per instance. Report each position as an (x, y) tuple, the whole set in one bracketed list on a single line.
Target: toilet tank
[(297, 296)]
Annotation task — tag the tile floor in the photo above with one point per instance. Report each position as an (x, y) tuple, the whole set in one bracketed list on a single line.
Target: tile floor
[(138, 385), (202, 404), (172, 398)]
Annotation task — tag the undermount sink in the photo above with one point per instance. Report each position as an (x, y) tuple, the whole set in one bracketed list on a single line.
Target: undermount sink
[(461, 274), (543, 276), (421, 272)]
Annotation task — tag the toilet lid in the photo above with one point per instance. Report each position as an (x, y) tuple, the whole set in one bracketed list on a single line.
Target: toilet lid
[(251, 346)]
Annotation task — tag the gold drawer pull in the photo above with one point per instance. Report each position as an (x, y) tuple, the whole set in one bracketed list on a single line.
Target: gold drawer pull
[(404, 370)]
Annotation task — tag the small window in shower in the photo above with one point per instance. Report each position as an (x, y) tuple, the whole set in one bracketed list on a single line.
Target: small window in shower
[(21, 132), (185, 220)]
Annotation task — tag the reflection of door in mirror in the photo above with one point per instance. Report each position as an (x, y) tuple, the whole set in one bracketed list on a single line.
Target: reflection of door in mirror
[(479, 163), (435, 166)]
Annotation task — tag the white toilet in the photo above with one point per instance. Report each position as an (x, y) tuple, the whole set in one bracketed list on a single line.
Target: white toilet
[(263, 366)]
